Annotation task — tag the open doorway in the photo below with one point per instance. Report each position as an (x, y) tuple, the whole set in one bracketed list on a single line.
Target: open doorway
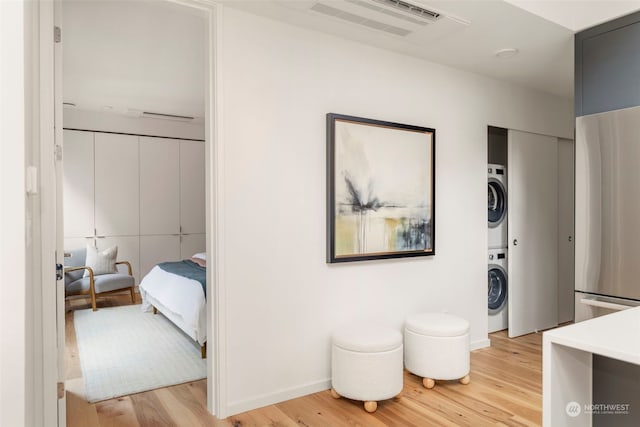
[(134, 144)]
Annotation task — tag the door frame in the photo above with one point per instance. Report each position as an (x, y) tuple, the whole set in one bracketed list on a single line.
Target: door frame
[(214, 172)]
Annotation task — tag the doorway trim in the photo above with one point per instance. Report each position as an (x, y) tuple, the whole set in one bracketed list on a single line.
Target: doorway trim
[(214, 172)]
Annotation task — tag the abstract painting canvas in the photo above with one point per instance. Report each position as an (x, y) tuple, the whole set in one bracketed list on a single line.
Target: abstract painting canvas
[(380, 189)]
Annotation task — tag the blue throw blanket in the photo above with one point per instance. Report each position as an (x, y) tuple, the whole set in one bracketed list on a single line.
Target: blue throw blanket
[(188, 269)]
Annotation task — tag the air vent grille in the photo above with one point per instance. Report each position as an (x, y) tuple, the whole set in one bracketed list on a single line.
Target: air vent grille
[(410, 8), (388, 12), (352, 17)]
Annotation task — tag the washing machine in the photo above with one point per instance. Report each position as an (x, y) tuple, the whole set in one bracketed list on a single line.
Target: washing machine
[(497, 290), (497, 206)]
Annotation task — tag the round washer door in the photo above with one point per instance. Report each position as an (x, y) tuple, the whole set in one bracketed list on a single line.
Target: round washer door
[(496, 202), (496, 288)]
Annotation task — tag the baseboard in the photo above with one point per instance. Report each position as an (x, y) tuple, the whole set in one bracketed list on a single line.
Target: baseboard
[(234, 408), (475, 345), (277, 397)]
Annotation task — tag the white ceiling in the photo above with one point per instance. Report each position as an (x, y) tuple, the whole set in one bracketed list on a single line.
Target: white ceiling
[(149, 55), (138, 55)]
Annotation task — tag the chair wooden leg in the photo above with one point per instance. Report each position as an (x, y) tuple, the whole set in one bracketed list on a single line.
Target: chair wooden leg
[(133, 296), (93, 302), (203, 351), (155, 310)]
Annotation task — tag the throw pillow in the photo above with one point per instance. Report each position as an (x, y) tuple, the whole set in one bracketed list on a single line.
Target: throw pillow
[(101, 262)]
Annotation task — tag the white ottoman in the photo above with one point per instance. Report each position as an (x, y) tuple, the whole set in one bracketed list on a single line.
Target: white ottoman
[(366, 364), (437, 347)]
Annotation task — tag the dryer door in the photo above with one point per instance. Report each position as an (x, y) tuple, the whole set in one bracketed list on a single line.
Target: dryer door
[(496, 288), (496, 202)]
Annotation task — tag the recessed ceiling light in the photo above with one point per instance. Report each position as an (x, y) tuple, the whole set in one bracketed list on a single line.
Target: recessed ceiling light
[(506, 53)]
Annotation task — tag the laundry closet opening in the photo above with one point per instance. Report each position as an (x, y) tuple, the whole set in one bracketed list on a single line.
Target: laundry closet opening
[(529, 231)]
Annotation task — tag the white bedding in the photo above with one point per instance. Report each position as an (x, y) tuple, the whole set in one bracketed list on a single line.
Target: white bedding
[(182, 300)]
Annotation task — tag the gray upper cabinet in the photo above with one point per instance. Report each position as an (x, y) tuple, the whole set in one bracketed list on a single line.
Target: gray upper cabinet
[(608, 66)]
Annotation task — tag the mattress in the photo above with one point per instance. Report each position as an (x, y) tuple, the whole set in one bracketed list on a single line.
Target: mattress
[(180, 299)]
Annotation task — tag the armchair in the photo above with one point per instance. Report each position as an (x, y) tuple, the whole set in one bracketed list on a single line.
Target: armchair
[(92, 285)]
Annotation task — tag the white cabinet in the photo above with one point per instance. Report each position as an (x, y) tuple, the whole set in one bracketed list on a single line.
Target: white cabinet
[(159, 186), (192, 187), (191, 244), (144, 194), (155, 249), (78, 184), (117, 185)]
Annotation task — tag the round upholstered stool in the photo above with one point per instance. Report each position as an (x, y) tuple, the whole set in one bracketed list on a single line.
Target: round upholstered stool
[(366, 364), (436, 347)]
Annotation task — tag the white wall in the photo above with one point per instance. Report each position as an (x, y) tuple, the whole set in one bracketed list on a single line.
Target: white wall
[(282, 299)]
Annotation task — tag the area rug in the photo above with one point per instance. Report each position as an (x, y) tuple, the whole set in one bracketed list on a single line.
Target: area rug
[(124, 351)]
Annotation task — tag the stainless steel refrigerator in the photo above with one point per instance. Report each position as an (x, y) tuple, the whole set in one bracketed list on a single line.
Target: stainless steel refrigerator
[(607, 212)]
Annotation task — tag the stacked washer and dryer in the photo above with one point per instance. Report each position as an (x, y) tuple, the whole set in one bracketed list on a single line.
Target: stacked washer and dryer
[(498, 243)]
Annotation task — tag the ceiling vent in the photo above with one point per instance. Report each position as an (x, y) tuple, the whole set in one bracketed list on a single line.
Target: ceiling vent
[(409, 8), (132, 112), (409, 20)]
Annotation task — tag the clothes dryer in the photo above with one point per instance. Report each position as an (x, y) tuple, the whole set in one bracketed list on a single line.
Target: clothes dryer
[(497, 290), (497, 206)]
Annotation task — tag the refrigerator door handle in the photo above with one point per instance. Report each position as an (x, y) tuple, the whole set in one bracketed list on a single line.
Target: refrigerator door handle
[(605, 304)]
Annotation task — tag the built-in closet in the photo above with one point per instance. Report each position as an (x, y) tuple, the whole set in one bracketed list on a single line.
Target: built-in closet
[(539, 183), (144, 194)]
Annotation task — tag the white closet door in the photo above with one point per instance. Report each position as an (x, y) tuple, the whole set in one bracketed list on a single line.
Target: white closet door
[(155, 249), (159, 186), (191, 244), (566, 250), (192, 187), (78, 183), (71, 243), (533, 228), (117, 185), (128, 250)]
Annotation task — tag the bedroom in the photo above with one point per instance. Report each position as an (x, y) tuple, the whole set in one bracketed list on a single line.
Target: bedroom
[(134, 172)]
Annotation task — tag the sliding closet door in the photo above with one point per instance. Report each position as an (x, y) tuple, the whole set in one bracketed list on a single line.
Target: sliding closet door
[(533, 227)]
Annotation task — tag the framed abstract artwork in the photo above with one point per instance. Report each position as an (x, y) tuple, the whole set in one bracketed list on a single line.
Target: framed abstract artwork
[(380, 189)]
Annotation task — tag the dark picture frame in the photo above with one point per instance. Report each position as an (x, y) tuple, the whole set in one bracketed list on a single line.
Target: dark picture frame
[(380, 189)]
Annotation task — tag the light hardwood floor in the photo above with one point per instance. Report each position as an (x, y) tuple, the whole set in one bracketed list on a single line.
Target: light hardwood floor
[(505, 390)]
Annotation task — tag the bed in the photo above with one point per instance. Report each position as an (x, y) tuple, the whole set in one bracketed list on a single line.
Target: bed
[(180, 299)]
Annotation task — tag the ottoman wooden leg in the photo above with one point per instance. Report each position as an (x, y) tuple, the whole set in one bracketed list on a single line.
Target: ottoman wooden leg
[(465, 380), (398, 396), (370, 406), (335, 394), (428, 382)]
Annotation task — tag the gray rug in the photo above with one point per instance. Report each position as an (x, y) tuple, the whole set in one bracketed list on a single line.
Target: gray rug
[(125, 351)]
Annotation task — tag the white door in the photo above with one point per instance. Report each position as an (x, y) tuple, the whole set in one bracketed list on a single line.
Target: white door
[(192, 187), (117, 185), (191, 244), (159, 186), (155, 249), (533, 227), (78, 184), (55, 9), (566, 250)]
